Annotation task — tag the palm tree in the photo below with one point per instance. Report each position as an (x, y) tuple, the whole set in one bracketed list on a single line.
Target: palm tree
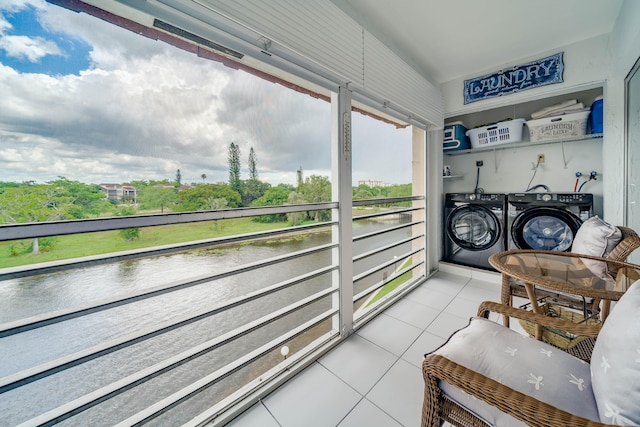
[(203, 176)]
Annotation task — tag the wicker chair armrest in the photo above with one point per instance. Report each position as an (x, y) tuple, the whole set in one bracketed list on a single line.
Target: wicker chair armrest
[(520, 406), (590, 330), (629, 243)]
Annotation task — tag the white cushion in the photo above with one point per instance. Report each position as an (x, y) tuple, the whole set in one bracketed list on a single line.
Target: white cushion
[(532, 367), (596, 237), (615, 362)]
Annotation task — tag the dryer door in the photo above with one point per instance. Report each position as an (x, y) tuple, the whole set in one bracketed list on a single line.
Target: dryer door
[(545, 229), (473, 227)]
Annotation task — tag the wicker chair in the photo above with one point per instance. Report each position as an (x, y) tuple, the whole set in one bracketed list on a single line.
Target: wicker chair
[(512, 287), (439, 370)]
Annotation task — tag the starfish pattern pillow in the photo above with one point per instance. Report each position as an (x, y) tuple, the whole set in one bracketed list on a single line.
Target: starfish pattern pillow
[(615, 362)]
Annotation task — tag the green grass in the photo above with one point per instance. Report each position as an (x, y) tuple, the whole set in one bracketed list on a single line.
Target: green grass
[(18, 253), (80, 245), (394, 284)]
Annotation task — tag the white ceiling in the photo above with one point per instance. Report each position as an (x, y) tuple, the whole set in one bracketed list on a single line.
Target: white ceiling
[(448, 39)]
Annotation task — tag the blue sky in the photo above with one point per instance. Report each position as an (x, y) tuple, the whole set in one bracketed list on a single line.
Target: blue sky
[(93, 102), (29, 48)]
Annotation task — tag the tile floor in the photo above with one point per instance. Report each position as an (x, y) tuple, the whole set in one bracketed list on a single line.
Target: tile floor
[(374, 378)]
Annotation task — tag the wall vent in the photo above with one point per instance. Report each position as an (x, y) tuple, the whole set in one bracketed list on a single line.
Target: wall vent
[(195, 38)]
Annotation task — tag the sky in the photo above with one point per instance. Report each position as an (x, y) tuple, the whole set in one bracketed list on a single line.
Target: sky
[(89, 101)]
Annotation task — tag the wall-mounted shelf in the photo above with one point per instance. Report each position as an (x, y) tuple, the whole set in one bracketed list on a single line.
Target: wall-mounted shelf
[(452, 176), (523, 144)]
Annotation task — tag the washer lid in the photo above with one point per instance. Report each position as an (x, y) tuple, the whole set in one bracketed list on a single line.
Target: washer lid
[(473, 227), (545, 229)]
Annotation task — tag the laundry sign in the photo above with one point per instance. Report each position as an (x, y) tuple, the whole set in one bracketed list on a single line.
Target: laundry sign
[(533, 74)]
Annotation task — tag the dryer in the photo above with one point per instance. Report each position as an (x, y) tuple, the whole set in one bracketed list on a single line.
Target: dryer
[(546, 221), (474, 228)]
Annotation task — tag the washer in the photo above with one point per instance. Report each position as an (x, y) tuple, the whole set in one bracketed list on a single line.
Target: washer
[(474, 228), (546, 221)]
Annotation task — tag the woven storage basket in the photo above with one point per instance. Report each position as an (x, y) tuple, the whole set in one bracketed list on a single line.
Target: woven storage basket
[(557, 127), (556, 337)]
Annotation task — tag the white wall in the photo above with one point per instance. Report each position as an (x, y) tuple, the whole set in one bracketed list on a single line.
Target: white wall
[(510, 170), (605, 61), (587, 66), (625, 50)]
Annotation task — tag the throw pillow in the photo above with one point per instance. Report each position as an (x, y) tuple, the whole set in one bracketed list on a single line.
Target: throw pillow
[(615, 362), (596, 237)]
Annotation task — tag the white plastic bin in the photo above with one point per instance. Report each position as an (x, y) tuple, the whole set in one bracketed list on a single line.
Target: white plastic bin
[(496, 134)]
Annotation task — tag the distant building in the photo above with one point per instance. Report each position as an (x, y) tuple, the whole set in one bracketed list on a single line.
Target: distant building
[(119, 192), (374, 183)]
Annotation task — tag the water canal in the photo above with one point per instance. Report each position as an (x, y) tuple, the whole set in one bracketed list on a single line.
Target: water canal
[(24, 297)]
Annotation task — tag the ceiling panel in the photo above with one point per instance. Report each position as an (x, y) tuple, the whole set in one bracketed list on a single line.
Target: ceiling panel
[(449, 39)]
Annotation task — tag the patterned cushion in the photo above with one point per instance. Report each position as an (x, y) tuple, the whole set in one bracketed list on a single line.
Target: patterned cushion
[(615, 362), (522, 363)]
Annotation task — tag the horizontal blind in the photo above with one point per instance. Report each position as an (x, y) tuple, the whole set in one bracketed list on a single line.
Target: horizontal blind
[(323, 34), (386, 75), (320, 34), (319, 37)]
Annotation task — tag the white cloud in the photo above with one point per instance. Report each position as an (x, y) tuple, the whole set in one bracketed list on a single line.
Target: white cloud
[(24, 47), (4, 25), (29, 48), (16, 5), (145, 109)]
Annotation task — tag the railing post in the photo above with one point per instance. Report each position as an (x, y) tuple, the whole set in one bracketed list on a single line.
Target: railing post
[(418, 187), (433, 192), (341, 192)]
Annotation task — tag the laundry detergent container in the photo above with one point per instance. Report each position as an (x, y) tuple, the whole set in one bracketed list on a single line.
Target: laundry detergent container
[(596, 117)]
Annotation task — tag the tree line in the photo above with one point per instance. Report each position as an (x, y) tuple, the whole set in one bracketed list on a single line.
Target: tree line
[(64, 199)]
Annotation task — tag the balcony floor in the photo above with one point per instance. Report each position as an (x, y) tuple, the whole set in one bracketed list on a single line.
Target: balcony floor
[(374, 377)]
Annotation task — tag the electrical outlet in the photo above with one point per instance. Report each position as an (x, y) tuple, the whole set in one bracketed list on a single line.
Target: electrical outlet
[(540, 158), (479, 163)]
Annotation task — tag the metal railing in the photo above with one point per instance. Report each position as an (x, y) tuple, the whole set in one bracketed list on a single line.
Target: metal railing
[(312, 300), (385, 271)]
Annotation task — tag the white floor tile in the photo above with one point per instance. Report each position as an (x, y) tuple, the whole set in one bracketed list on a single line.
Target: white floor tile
[(257, 415), (446, 267), (425, 295), (447, 283), (462, 307), (400, 393), (369, 415), (390, 333), (314, 398), (413, 313), (446, 324), (426, 343), (359, 362), (486, 284), (519, 302), (478, 292), (488, 276), (382, 362)]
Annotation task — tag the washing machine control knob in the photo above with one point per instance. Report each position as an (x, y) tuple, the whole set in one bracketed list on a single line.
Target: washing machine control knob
[(472, 196), (546, 197)]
